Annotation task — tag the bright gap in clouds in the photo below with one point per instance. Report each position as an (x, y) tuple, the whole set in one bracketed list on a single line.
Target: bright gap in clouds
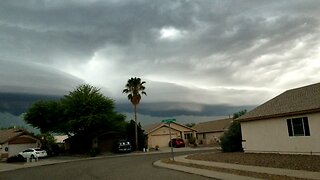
[(171, 33)]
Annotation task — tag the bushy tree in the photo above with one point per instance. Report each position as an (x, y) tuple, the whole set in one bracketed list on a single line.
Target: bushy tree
[(142, 138), (231, 141), (88, 111), (238, 114), (84, 111), (45, 115), (190, 125)]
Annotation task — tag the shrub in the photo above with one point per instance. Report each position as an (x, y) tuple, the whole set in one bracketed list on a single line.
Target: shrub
[(16, 158), (94, 152), (231, 141), (193, 140)]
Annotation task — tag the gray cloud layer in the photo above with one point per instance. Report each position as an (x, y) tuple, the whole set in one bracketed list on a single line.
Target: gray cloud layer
[(19, 77), (205, 52)]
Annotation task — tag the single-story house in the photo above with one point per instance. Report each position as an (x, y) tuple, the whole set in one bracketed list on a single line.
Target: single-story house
[(60, 141), (13, 141), (211, 131), (288, 123), (83, 144), (158, 134)]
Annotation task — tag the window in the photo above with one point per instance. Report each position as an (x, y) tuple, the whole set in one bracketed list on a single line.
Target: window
[(298, 126), (187, 136)]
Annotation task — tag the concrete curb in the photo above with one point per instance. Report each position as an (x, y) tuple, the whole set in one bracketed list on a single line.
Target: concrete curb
[(257, 169), (219, 175), (202, 172)]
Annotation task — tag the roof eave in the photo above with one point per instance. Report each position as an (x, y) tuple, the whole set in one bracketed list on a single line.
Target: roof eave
[(278, 115), (210, 131)]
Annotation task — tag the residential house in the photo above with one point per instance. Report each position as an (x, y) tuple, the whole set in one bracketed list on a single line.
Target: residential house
[(211, 131), (158, 134), (83, 144), (288, 123), (60, 141), (13, 141)]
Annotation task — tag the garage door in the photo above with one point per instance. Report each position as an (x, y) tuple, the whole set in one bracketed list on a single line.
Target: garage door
[(14, 149), (161, 140)]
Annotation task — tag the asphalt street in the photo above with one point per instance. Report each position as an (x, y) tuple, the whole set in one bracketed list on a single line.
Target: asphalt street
[(133, 167)]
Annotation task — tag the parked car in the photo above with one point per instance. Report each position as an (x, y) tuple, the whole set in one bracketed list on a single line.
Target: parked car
[(41, 153), (33, 153), (122, 146), (177, 143)]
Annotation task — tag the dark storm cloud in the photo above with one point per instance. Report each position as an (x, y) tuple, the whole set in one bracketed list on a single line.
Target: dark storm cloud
[(171, 109), (18, 103), (32, 78), (202, 52), (75, 30)]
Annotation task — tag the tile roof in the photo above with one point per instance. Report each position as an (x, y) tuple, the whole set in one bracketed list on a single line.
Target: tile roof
[(7, 134), (292, 102), (152, 127), (213, 126)]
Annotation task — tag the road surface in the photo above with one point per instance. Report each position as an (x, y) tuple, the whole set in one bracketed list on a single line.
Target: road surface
[(132, 167)]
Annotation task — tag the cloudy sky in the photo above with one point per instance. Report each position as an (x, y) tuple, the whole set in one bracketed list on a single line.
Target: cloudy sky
[(199, 58)]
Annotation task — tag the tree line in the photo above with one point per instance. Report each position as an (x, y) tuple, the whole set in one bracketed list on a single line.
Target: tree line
[(86, 113)]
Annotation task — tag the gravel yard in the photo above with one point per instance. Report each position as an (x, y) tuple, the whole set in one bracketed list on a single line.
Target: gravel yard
[(297, 162)]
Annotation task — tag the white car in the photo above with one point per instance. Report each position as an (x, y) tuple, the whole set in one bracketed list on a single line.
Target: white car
[(33, 153)]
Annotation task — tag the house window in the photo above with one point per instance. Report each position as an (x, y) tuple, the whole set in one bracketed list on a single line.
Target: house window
[(298, 126), (204, 136), (187, 136)]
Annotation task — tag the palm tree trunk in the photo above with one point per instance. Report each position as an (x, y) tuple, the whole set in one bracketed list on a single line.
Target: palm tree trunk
[(136, 126)]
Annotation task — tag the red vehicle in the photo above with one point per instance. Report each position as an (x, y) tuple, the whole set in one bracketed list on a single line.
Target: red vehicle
[(177, 143)]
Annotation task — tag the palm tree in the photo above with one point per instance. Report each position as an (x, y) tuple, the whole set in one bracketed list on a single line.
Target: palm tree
[(133, 88)]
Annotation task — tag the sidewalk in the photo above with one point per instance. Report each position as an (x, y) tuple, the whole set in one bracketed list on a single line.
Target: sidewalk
[(203, 172), (4, 166), (219, 175)]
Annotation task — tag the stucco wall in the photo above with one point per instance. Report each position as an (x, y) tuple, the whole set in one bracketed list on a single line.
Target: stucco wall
[(271, 135), (161, 137), (3, 152)]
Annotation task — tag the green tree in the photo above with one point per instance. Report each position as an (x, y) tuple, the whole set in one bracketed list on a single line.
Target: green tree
[(133, 88), (44, 115), (231, 141), (190, 125), (238, 114), (47, 141), (142, 138), (84, 113), (87, 111)]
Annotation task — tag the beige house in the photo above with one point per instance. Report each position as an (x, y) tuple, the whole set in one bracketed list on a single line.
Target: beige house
[(158, 134), (13, 141), (211, 131), (288, 123)]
